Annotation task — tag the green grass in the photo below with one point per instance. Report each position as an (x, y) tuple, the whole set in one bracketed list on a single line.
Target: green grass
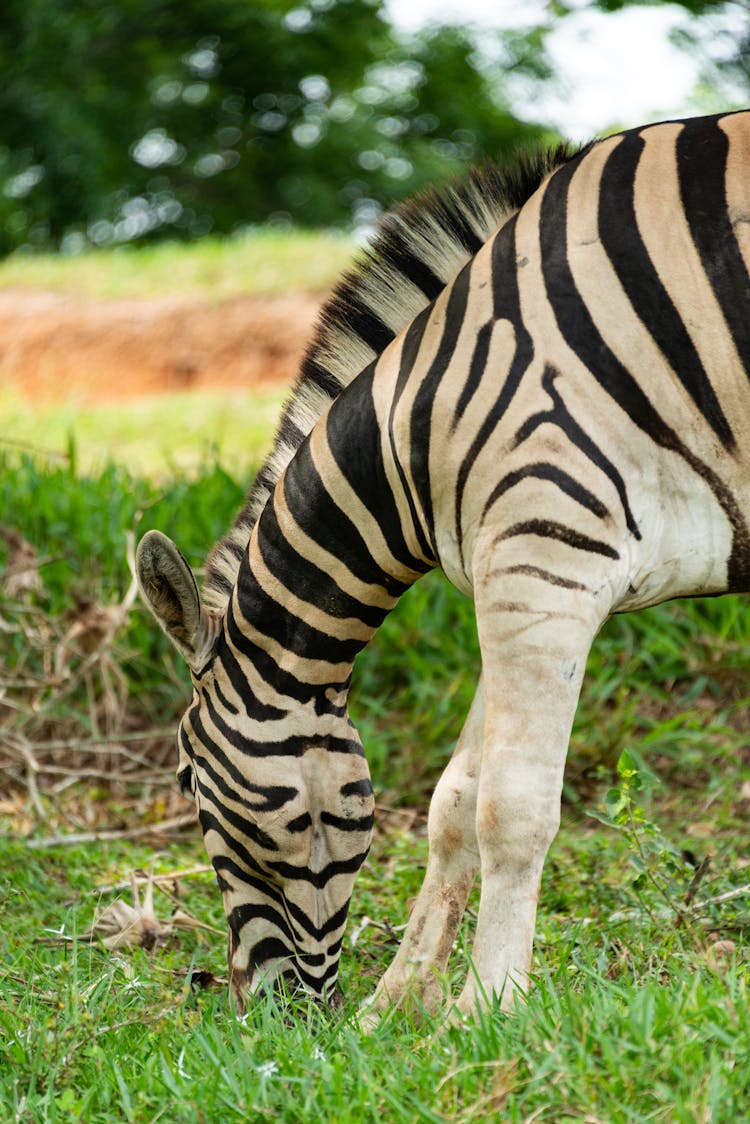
[(261, 263), (629, 1019), (155, 436), (632, 1017), (96, 1036)]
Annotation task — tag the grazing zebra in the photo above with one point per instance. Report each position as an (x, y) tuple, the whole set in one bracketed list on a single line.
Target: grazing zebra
[(538, 381)]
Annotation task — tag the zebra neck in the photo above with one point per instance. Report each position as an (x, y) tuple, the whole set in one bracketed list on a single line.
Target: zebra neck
[(326, 563)]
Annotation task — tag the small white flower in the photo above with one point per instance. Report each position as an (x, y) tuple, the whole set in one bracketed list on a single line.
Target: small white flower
[(318, 1054), (267, 1069)]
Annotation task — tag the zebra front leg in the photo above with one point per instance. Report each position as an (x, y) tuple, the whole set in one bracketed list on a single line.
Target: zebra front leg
[(533, 663), (415, 975)]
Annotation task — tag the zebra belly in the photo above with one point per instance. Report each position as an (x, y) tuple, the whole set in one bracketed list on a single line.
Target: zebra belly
[(686, 544)]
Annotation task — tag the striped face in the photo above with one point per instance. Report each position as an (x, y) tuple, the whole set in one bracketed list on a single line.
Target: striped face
[(286, 807)]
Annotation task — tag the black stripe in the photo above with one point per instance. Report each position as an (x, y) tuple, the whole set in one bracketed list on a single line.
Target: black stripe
[(456, 224), (421, 414), (301, 919), (324, 522), (314, 373), (477, 367), (560, 417), (702, 150), (246, 828), (563, 480), (580, 332), (409, 352), (364, 321), (267, 950), (354, 441), (652, 304), (398, 254), (229, 706), (308, 581), (576, 322), (344, 823), (294, 746), (289, 432), (357, 788), (544, 575), (274, 620), (506, 307), (300, 823), (263, 712), (318, 878), (244, 865), (243, 914), (282, 682), (272, 797), (549, 529)]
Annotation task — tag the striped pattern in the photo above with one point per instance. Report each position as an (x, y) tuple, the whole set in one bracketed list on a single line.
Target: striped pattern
[(417, 251), (539, 383)]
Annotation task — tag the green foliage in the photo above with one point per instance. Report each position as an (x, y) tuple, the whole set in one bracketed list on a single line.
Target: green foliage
[(137, 119), (79, 523), (662, 874), (131, 120), (262, 262), (671, 680), (629, 1021), (412, 689), (88, 1034)]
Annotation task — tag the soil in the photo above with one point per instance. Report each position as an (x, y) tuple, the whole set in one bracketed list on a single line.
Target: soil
[(56, 348)]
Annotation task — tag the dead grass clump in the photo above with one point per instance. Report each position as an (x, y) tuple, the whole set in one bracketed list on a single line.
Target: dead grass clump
[(65, 713)]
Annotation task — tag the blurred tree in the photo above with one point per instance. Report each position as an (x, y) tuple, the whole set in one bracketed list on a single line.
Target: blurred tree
[(133, 119)]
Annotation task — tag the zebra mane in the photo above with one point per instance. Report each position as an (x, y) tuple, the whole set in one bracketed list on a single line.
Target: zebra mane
[(417, 250)]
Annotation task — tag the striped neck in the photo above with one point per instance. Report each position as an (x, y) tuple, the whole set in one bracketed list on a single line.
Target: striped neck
[(323, 570)]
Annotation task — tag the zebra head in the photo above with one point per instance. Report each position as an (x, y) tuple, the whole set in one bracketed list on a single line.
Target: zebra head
[(282, 791)]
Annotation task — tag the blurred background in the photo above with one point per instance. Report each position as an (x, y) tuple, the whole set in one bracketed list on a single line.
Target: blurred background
[(180, 185), (126, 121)]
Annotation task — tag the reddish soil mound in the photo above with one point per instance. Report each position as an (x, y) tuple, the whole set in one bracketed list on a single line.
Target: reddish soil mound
[(56, 347)]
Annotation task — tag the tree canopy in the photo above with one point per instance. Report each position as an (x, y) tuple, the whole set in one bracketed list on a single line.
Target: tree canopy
[(138, 119)]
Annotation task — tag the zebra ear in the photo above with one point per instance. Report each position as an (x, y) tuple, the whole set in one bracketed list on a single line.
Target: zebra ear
[(169, 589)]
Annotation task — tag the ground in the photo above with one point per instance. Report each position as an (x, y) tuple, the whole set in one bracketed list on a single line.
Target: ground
[(55, 347)]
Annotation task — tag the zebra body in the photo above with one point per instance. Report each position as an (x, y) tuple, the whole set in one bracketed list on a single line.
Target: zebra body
[(560, 427)]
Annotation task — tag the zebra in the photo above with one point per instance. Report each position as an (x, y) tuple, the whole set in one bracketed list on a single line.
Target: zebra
[(538, 381)]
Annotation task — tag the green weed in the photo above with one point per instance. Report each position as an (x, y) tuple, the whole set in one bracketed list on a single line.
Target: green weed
[(634, 1016), (160, 437), (260, 263)]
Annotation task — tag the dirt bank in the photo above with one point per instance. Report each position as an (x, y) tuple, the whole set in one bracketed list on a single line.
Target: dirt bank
[(55, 347)]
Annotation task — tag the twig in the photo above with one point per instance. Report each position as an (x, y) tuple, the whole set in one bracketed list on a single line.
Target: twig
[(700, 873), (105, 745), (163, 826), (694, 907), (84, 771), (165, 876), (22, 746), (730, 895)]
